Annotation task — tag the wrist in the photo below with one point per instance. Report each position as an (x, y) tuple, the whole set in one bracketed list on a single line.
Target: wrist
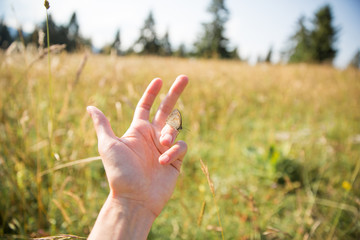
[(122, 218)]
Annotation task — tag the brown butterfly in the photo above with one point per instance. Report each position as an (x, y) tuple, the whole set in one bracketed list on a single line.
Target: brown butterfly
[(175, 120)]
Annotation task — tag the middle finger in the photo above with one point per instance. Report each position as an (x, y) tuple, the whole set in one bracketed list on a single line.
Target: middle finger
[(168, 103)]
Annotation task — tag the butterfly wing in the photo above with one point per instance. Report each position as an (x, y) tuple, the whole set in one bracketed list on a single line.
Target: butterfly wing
[(175, 120)]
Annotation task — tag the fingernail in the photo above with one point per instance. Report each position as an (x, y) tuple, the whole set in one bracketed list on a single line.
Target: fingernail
[(89, 109), (163, 159)]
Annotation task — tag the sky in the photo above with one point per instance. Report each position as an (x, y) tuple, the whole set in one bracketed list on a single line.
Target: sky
[(254, 26)]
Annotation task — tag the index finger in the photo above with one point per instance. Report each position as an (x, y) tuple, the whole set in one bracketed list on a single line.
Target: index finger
[(168, 103), (142, 110)]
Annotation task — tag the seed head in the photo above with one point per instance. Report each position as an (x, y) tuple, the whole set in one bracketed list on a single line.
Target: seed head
[(47, 4)]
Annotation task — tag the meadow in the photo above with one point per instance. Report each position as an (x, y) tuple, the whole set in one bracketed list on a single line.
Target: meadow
[(281, 144)]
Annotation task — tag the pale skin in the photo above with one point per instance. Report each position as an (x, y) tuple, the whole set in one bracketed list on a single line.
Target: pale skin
[(141, 167)]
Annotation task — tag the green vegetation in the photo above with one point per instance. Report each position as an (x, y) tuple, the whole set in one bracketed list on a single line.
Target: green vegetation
[(281, 145), (318, 44), (355, 61), (213, 43)]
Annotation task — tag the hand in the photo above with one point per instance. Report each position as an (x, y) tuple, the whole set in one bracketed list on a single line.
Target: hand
[(143, 165)]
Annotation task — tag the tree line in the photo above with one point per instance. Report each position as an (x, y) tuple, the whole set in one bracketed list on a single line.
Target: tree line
[(314, 44), (68, 34)]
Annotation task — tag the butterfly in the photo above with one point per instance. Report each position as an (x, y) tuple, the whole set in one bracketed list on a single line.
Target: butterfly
[(175, 120)]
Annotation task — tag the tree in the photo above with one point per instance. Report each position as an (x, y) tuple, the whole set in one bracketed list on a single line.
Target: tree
[(117, 43), (301, 44), (113, 47), (73, 38), (317, 44), (323, 36), (266, 59), (73, 27), (268, 56), (147, 43), (5, 37), (234, 54), (355, 61), (34, 38), (165, 45), (181, 51), (61, 34), (213, 43), (58, 34)]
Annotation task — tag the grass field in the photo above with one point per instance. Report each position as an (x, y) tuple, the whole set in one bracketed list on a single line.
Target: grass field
[(281, 143)]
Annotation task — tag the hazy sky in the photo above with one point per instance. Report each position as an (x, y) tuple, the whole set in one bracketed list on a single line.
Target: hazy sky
[(254, 25)]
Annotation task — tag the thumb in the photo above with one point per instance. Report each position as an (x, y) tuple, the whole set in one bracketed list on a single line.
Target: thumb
[(101, 124)]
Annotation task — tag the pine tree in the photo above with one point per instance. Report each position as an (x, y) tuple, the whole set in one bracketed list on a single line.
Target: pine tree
[(323, 36), (114, 47), (213, 43), (301, 44), (5, 37), (147, 43), (165, 45), (73, 38), (315, 45), (34, 37), (62, 34), (355, 61), (117, 43), (181, 51), (268, 56), (58, 34), (73, 27)]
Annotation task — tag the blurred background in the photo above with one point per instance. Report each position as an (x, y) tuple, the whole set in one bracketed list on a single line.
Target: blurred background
[(271, 114), (254, 28)]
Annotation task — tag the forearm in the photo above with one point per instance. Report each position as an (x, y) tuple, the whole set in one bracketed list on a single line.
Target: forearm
[(122, 219)]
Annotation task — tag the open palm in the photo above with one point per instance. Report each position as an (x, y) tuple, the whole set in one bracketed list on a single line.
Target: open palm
[(143, 165)]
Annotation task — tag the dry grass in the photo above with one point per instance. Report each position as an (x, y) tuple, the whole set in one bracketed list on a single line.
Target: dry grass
[(243, 121)]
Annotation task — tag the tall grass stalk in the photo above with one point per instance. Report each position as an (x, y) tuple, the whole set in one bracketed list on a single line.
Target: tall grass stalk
[(39, 196), (70, 164), (51, 110), (205, 170), (38, 159)]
